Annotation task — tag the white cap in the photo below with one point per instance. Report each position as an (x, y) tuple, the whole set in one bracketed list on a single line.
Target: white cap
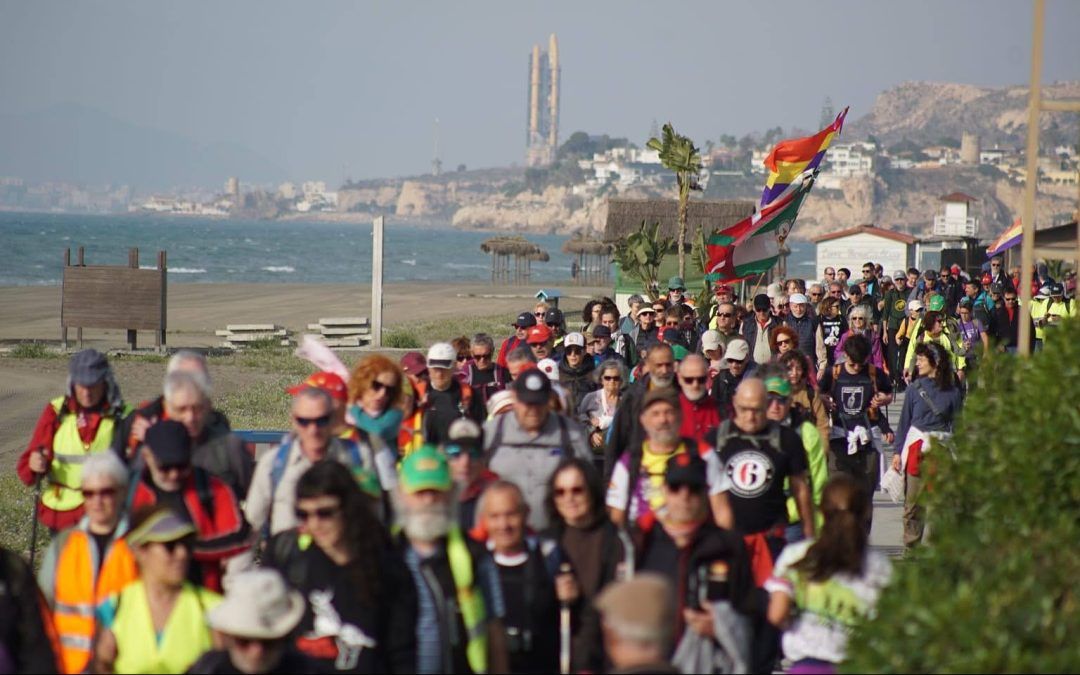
[(710, 340), (574, 340), (737, 349), (500, 402), (549, 368), (798, 299), (441, 355), (774, 290), (915, 304)]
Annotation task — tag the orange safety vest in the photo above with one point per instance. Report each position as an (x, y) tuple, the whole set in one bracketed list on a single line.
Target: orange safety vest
[(80, 588)]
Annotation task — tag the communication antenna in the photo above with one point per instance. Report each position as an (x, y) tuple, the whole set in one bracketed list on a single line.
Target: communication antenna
[(436, 163)]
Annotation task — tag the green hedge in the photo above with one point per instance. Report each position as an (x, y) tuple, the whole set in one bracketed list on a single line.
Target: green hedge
[(998, 588)]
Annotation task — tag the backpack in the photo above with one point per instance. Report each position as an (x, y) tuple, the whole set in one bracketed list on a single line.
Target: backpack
[(500, 425)]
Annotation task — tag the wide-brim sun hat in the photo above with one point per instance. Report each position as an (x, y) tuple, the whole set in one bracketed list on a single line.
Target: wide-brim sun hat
[(258, 606)]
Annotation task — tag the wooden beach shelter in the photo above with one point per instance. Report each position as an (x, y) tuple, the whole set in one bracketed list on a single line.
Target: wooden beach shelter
[(523, 252), (625, 216), (593, 259)]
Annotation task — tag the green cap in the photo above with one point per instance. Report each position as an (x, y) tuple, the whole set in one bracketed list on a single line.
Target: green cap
[(676, 283), (778, 385), (679, 352), (368, 482), (936, 303), (425, 469)]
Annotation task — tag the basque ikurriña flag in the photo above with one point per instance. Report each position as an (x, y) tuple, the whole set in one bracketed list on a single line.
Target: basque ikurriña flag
[(791, 158), (1009, 238), (752, 246)]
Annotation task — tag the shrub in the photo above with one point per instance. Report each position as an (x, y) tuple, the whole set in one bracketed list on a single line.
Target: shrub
[(32, 350), (400, 339), (996, 588)]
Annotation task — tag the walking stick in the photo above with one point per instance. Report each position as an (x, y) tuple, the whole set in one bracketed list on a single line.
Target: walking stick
[(564, 628), (34, 520)]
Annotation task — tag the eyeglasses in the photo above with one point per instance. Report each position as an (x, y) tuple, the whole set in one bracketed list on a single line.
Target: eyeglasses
[(484, 356), (725, 315), (462, 357), (248, 643), (835, 293), (858, 318), (695, 380), (305, 422), (672, 324), (781, 305), (995, 265), (748, 409), (679, 487), (321, 513), (378, 386), (575, 491), (781, 343), (575, 350), (868, 271), (539, 315), (815, 294), (1008, 299), (174, 468), (777, 398), (612, 378), (453, 450), (104, 493), (736, 361)]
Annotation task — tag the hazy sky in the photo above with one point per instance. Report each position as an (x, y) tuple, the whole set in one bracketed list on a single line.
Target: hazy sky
[(334, 89)]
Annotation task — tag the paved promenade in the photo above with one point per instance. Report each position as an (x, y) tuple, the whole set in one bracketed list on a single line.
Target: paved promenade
[(887, 532)]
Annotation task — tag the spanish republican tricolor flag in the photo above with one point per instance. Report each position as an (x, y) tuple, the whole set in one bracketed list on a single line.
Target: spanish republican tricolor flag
[(1009, 238), (793, 157)]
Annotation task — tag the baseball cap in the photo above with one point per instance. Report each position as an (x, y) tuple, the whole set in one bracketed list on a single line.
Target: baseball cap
[(525, 320), (899, 274), (601, 332), (915, 304), (686, 468), (169, 442), (778, 385), (710, 340), (425, 469), (676, 283), (160, 527), (660, 395), (986, 278), (574, 339), (329, 382), (553, 316), (1057, 289), (798, 299), (761, 302), (995, 288), (88, 367), (722, 288), (464, 435), (549, 368), (532, 387), (1044, 291), (538, 334), (414, 363), (737, 350), (936, 303), (441, 355), (499, 402)]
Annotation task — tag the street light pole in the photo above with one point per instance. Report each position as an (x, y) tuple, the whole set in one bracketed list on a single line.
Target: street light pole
[(1031, 180)]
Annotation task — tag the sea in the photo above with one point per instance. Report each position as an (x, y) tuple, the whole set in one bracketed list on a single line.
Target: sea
[(204, 250)]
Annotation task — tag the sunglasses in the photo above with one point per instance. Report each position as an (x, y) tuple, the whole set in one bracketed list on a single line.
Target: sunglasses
[(679, 487), (725, 315), (486, 356), (575, 491), (539, 315), (104, 493), (780, 343), (379, 386), (320, 422), (172, 546), (612, 378), (574, 350), (815, 294), (695, 380), (867, 271), (782, 305), (462, 358), (835, 293), (248, 643), (453, 450), (671, 324), (321, 513), (178, 468), (858, 318), (1008, 299), (777, 398), (736, 361)]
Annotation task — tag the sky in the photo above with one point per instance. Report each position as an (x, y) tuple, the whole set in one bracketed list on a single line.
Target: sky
[(329, 90)]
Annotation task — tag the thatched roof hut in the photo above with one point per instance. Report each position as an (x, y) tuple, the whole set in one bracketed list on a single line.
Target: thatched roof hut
[(524, 253), (625, 215), (579, 245)]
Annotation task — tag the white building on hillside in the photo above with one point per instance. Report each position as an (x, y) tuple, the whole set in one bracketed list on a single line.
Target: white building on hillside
[(957, 220), (849, 160)]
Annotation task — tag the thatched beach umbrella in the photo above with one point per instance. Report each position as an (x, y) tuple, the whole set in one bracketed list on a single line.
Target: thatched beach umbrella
[(593, 258), (523, 251)]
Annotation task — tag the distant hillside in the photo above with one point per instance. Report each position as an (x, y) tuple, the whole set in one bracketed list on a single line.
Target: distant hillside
[(79, 144), (926, 112)]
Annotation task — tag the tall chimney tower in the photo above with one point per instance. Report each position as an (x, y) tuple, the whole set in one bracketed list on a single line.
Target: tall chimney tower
[(542, 135)]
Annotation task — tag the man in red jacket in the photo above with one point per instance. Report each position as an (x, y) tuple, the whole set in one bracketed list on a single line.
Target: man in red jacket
[(208, 502), (700, 416), (521, 325)]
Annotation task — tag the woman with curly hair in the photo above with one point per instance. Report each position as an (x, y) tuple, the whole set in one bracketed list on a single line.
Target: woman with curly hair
[(375, 389), (804, 394), (362, 603)]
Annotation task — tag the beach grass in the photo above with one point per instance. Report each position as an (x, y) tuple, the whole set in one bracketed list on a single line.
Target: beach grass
[(264, 405), (16, 502)]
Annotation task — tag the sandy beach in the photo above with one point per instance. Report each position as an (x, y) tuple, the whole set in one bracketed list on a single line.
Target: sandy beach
[(195, 311)]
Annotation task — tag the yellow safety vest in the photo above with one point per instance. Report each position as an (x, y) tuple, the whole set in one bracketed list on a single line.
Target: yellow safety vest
[(69, 453), (1038, 311), (185, 638), (470, 600)]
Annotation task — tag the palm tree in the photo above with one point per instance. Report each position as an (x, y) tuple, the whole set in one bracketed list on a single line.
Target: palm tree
[(679, 154)]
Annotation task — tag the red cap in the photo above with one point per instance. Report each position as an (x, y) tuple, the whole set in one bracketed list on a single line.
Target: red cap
[(413, 363), (329, 382), (986, 278), (538, 334), (722, 288)]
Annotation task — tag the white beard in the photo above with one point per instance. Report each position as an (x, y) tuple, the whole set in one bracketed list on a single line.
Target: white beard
[(665, 382), (695, 397), (427, 525)]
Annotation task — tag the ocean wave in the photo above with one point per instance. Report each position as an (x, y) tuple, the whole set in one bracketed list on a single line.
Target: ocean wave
[(287, 269), (186, 270), (466, 266)]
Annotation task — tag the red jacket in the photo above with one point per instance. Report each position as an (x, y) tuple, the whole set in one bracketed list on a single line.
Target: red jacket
[(42, 439), (508, 345), (221, 531), (699, 417)]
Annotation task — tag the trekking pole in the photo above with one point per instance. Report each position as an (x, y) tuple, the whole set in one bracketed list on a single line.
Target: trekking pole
[(564, 628), (34, 520)]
